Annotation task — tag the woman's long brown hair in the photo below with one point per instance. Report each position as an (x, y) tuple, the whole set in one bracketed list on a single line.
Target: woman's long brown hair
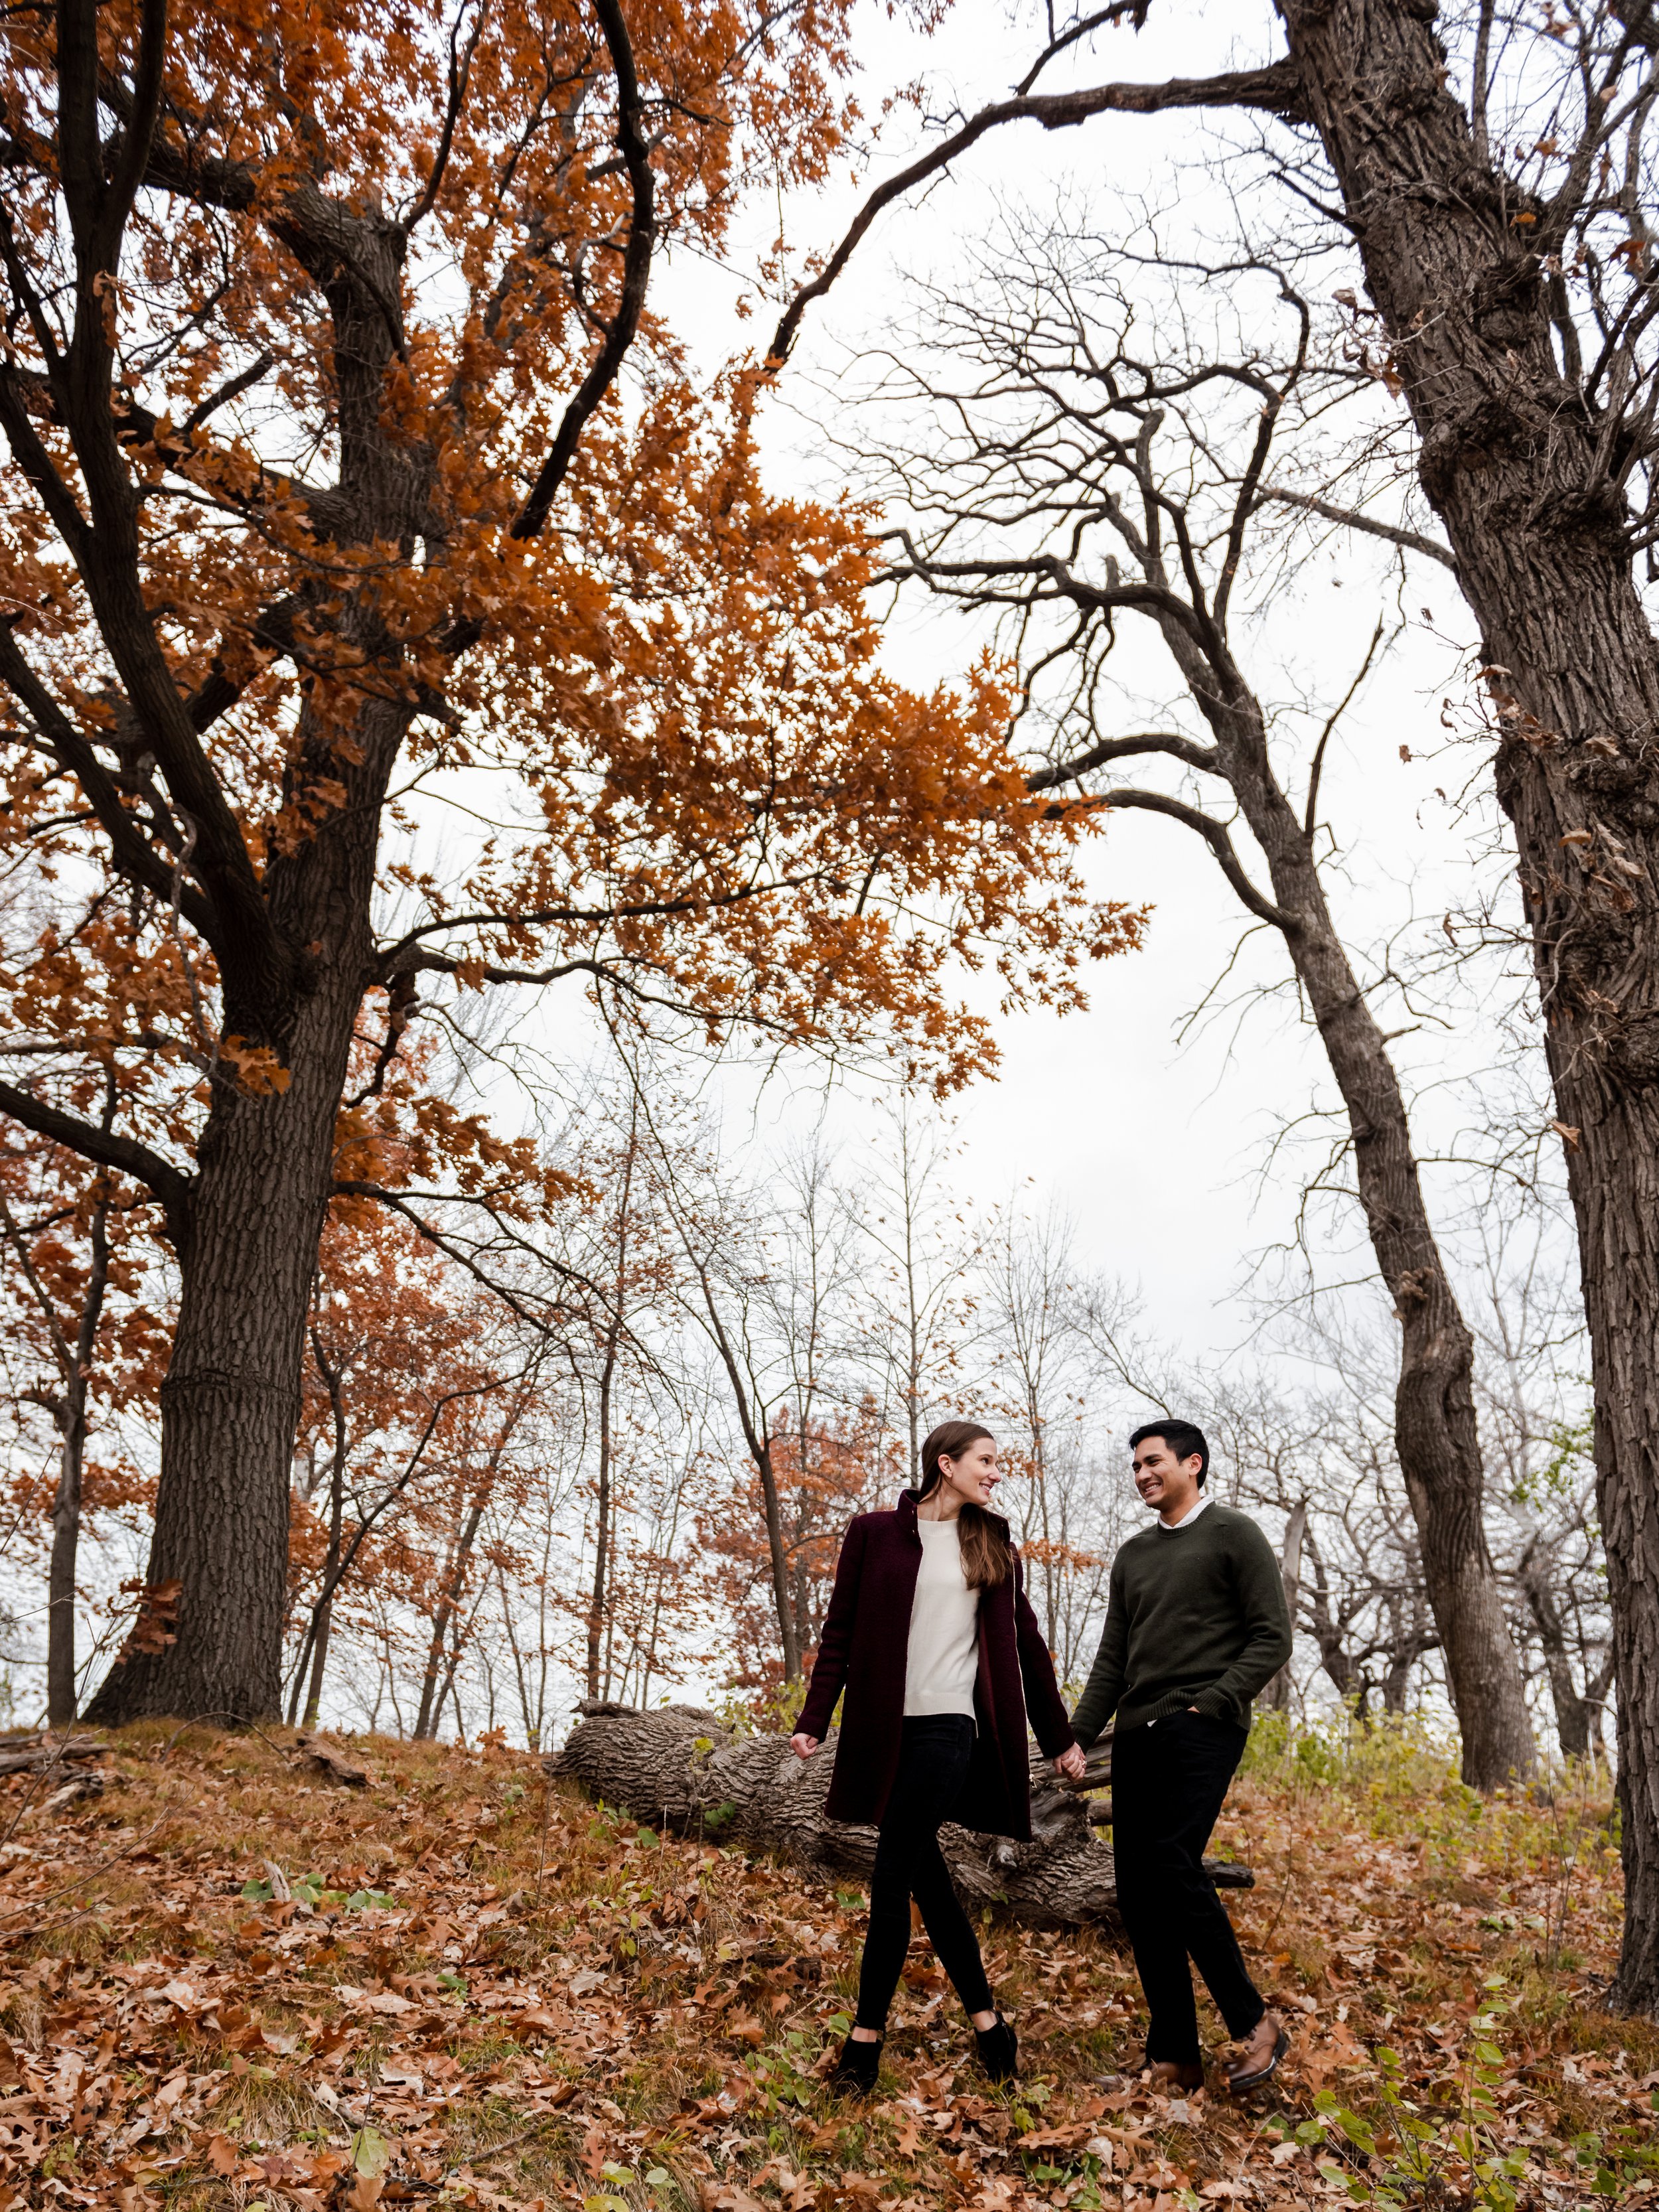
[(987, 1556)]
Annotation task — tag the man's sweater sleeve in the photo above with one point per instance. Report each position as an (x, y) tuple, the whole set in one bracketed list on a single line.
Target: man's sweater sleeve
[(1267, 1642), (1099, 1700)]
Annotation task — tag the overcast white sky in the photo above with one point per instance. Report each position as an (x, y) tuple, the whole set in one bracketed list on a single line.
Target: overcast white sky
[(1154, 1147)]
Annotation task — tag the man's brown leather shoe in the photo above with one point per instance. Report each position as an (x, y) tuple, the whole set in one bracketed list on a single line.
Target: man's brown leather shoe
[(1262, 2054)]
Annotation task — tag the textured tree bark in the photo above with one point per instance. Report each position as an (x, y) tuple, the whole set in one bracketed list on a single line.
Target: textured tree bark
[(230, 1402), (1514, 460), (247, 1231), (1436, 1436), (677, 1767), (1277, 1695)]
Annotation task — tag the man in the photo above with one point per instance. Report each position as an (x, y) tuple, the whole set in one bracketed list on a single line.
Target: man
[(1196, 1623)]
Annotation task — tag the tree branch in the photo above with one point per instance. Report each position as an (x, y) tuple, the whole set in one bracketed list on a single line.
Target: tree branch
[(106, 1148), (135, 858), (636, 271), (1135, 10), (1203, 757), (138, 132), (1215, 835), (1277, 88), (463, 1258), (1149, 597), (460, 70), (1335, 716), (1346, 516)]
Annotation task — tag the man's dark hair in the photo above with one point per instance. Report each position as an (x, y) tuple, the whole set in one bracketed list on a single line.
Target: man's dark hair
[(1183, 1439)]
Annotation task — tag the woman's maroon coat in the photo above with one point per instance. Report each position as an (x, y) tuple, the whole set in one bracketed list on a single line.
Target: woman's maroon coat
[(864, 1649)]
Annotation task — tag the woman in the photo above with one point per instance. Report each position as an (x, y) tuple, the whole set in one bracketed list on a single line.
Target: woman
[(930, 1634)]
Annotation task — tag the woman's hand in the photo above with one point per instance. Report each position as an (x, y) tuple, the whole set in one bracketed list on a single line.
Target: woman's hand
[(1071, 1763), (803, 1746)]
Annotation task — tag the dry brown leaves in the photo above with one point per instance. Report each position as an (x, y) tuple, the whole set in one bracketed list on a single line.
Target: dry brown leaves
[(471, 1994)]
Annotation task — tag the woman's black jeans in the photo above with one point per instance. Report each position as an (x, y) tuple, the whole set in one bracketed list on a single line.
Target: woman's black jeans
[(933, 1767)]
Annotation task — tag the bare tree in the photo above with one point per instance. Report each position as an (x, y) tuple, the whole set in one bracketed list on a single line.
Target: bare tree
[(1529, 1377), (1063, 1416), (926, 1247), (1085, 480), (1497, 193), (1323, 1458), (72, 1354)]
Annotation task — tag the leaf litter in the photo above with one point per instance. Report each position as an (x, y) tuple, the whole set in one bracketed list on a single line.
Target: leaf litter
[(228, 1986)]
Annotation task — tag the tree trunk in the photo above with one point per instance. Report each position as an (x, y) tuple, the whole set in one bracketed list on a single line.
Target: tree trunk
[(435, 1685), (596, 1603), (320, 1628), (1410, 1641), (1435, 1436), (247, 1230), (66, 1503), (324, 1623), (1277, 1695), (230, 1402), (1572, 1726), (778, 1557), (1509, 458), (1328, 1631), (61, 1701), (229, 1406), (678, 1768), (603, 1512)]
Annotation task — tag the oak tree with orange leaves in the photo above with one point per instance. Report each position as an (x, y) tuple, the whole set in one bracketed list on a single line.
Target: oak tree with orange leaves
[(385, 611)]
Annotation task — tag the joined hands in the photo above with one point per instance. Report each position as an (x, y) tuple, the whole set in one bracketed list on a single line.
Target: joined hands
[(1070, 1762)]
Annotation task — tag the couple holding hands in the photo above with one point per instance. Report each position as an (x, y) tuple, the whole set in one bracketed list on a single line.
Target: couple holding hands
[(930, 1634)]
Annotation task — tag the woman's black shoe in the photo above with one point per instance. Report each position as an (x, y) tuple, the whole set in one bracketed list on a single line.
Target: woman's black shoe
[(854, 2073), (998, 2050)]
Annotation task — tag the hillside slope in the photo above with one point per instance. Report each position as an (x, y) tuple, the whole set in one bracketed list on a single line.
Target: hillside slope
[(481, 1991)]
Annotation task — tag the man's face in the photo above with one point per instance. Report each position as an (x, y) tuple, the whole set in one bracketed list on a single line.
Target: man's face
[(1160, 1477)]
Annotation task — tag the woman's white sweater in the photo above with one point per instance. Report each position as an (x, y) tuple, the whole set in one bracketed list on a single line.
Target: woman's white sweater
[(943, 1659)]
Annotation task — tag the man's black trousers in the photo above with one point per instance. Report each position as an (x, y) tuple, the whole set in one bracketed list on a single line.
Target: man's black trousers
[(1168, 1783), (933, 1767)]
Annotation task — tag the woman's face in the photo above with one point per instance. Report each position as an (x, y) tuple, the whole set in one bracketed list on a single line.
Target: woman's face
[(975, 1476)]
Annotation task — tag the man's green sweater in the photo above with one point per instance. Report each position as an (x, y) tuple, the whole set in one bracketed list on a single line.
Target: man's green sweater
[(1196, 1616)]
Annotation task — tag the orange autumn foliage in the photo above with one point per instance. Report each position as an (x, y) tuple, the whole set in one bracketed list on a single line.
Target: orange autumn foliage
[(387, 609)]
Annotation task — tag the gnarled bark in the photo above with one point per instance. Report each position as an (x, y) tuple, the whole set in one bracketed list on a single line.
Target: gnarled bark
[(1525, 467), (679, 1768)]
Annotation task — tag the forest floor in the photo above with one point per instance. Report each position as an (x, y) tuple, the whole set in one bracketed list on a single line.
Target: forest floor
[(482, 1991)]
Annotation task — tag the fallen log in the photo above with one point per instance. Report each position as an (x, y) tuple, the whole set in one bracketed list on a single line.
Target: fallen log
[(38, 1752), (679, 1768), (327, 1758)]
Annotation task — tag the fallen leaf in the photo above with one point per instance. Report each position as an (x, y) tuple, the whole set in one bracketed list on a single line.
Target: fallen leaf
[(370, 2152)]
